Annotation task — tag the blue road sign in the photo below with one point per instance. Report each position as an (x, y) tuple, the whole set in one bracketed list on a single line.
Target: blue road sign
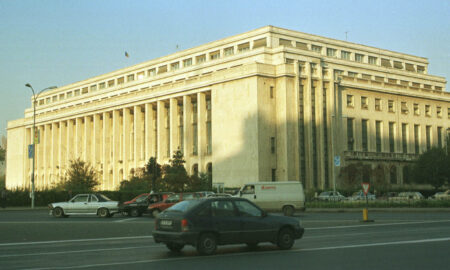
[(30, 151), (337, 161)]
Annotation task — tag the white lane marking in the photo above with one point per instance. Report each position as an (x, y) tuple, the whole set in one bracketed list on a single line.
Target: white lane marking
[(74, 240), (248, 253), (78, 251), (125, 219), (377, 225)]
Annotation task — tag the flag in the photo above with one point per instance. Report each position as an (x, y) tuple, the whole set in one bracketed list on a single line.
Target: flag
[(127, 55)]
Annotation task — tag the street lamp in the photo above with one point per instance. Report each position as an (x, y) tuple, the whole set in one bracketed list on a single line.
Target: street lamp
[(35, 96)]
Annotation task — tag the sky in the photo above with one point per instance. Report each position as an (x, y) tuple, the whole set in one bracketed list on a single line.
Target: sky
[(59, 42)]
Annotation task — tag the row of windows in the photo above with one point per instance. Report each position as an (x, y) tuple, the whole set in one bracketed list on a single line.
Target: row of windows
[(354, 56), (391, 106), (391, 136), (156, 70)]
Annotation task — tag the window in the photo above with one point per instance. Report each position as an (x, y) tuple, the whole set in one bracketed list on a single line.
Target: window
[(378, 135), (427, 110), (248, 189), (141, 75), (420, 69), (130, 78), (244, 47), (404, 108), (271, 92), (405, 138), (359, 58), (77, 92), (391, 137), (228, 51), (398, 65), (274, 175), (364, 103), (367, 76), (416, 139), (448, 112), (162, 69), (410, 67), (385, 63), (187, 62), (439, 112), (372, 60), (69, 94), (301, 45), (247, 209), (80, 198), (102, 85), (93, 88), (285, 42), (350, 138), (222, 209), (391, 106), (393, 175), (331, 52), (200, 59), (379, 79), (84, 90), (352, 74), (416, 109), (120, 80), (350, 101), (345, 55), (428, 137), (61, 96), (175, 66), (272, 145), (316, 49), (259, 43), (439, 136), (378, 104), (365, 144), (152, 72), (214, 55)]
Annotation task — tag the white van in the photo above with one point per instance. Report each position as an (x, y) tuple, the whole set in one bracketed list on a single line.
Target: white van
[(286, 196)]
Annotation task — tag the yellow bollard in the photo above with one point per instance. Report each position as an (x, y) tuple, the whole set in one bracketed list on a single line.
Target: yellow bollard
[(365, 214)]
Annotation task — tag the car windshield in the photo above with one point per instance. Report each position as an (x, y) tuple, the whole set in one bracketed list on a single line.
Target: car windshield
[(184, 206)]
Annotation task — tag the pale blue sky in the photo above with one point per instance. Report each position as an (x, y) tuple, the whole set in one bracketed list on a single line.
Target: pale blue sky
[(49, 43)]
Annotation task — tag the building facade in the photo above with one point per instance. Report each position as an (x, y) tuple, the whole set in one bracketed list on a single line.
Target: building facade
[(267, 105)]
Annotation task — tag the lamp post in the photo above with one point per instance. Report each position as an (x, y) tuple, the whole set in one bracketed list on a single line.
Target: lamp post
[(35, 96)]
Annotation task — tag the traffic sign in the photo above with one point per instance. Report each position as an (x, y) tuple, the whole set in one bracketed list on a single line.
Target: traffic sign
[(337, 161), (30, 151), (365, 187)]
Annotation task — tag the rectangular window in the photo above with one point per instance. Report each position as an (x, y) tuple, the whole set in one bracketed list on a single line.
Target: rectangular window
[(77, 92), (262, 42), (84, 90), (152, 72), (285, 42), (345, 55), (416, 109), (200, 59), (427, 110), (372, 60), (364, 103), (404, 108), (271, 92), (301, 45), (244, 47), (405, 138), (367, 76), (416, 139), (274, 175), (187, 62), (439, 112), (439, 136), (393, 175), (175, 66), (350, 138), (379, 79), (410, 67), (130, 78), (272, 145), (54, 98), (365, 144), (102, 85), (420, 69), (331, 52), (350, 101), (352, 74), (378, 135), (61, 96), (391, 137), (386, 63), (428, 137), (69, 94), (162, 69), (359, 58), (141, 75), (378, 104), (228, 51), (398, 65), (391, 106), (448, 112), (214, 55), (316, 49), (120, 80), (93, 88)]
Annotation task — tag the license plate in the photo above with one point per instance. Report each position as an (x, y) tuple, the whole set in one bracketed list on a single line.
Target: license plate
[(166, 222)]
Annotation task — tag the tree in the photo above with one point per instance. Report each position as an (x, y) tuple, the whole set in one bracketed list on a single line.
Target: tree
[(200, 182), (432, 167), (81, 177), (175, 175), (152, 174), (2, 154)]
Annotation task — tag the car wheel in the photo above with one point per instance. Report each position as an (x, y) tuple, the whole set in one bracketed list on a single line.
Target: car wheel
[(155, 212), (252, 246), (288, 210), (58, 212), (125, 213), (103, 212), (135, 213), (285, 239), (174, 247), (207, 244)]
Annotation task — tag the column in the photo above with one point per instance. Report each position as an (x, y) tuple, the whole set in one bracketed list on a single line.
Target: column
[(87, 140), (70, 142), (138, 131), (106, 153), (78, 138), (126, 141), (307, 127), (115, 147), (150, 150), (97, 142), (174, 143), (201, 124), (54, 169), (62, 153), (160, 126), (187, 130)]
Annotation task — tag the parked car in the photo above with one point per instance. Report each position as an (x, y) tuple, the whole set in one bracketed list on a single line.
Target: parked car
[(215, 195), (359, 196), (210, 222), (330, 196), (138, 206), (388, 195), (285, 196), (155, 208), (445, 195), (407, 196), (85, 204)]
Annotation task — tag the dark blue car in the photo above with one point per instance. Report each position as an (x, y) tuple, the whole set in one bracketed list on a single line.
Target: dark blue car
[(207, 223)]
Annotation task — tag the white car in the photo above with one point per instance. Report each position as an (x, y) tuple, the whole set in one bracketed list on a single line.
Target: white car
[(408, 196), (442, 195), (85, 204), (331, 196), (359, 196)]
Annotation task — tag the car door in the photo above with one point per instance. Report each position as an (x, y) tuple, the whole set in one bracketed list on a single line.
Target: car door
[(92, 205), (255, 225), (78, 204), (225, 221)]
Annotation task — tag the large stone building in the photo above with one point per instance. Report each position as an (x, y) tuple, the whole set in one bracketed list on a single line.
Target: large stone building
[(267, 105)]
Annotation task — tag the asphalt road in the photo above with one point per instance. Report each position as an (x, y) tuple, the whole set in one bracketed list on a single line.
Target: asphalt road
[(34, 240)]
